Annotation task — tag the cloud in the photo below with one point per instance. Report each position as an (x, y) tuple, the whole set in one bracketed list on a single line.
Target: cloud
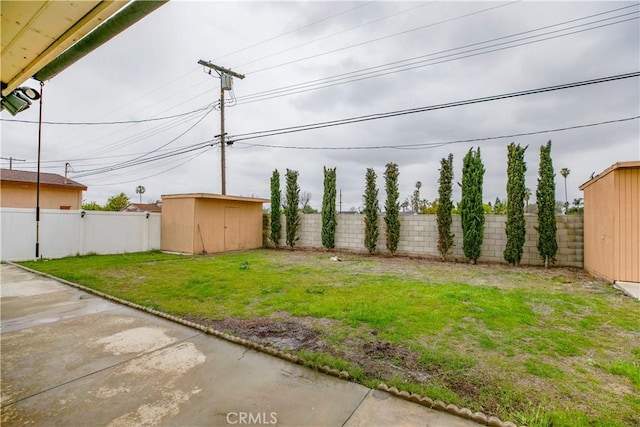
[(151, 70)]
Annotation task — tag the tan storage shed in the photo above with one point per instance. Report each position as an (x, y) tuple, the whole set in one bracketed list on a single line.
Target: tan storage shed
[(200, 222), (612, 223)]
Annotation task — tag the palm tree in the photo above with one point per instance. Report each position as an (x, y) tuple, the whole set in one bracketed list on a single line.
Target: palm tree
[(140, 190), (565, 173)]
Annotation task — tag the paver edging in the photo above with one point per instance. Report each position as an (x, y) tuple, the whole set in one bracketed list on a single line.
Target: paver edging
[(452, 409), (439, 405)]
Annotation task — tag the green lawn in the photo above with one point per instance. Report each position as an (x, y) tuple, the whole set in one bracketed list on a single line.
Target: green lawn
[(536, 347)]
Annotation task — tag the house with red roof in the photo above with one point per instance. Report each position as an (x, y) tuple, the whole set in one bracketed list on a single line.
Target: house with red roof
[(18, 190), (144, 207)]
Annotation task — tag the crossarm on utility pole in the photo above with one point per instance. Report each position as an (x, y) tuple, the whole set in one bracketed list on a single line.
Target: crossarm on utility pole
[(221, 69)]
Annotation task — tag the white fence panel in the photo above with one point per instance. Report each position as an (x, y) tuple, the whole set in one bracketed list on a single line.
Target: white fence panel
[(59, 233), (154, 225), (66, 233), (17, 234)]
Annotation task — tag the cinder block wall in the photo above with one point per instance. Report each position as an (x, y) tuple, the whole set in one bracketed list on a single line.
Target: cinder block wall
[(419, 237)]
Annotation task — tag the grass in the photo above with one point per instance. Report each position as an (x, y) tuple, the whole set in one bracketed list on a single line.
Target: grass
[(541, 348)]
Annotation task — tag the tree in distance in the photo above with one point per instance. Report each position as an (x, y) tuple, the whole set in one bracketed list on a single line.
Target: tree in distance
[(117, 203), (140, 190)]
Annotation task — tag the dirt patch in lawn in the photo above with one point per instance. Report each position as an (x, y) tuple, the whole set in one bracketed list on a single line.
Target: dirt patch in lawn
[(377, 359)]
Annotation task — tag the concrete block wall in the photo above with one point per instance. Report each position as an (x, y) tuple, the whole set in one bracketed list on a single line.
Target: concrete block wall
[(419, 237)]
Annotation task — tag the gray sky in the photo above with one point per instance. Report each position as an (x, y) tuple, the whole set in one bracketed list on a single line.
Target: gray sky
[(458, 51)]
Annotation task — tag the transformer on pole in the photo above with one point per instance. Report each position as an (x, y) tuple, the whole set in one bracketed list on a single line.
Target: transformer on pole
[(226, 83)]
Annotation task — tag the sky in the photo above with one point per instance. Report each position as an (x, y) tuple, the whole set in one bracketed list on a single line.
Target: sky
[(316, 62)]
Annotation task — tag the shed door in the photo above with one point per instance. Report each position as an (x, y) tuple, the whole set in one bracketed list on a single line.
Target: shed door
[(231, 229)]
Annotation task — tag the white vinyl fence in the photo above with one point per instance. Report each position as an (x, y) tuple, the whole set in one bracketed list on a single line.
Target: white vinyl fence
[(67, 233)]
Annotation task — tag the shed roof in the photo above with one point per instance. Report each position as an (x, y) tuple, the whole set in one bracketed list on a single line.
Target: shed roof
[(613, 167), (216, 197), (28, 177)]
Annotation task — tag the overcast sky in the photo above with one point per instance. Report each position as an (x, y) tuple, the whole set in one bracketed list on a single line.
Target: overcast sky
[(456, 51)]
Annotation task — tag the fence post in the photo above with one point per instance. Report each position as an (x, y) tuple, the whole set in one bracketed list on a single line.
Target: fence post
[(81, 222), (145, 233)]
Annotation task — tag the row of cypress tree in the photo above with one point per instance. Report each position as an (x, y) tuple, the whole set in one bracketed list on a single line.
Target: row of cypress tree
[(290, 209), (471, 206), (472, 214), (392, 209)]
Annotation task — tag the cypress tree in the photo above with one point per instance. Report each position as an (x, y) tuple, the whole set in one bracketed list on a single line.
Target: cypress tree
[(515, 227), (370, 211), (546, 199), (392, 207), (275, 208), (471, 206), (329, 209), (445, 206), (291, 212)]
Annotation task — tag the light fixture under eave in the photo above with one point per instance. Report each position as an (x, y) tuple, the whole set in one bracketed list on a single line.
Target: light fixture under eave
[(19, 100), (30, 93)]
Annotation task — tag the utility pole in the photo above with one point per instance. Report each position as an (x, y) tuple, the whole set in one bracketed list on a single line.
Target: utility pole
[(66, 171), (225, 84), (11, 159)]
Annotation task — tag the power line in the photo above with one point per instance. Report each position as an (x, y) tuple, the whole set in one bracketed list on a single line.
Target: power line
[(335, 34), (206, 107), (177, 152), (428, 145), (293, 31), (248, 47), (381, 38), (80, 159), (144, 134), (376, 116), (391, 68), (140, 159), (155, 174)]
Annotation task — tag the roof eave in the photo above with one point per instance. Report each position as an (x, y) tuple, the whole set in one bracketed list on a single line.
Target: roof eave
[(90, 21), (607, 171)]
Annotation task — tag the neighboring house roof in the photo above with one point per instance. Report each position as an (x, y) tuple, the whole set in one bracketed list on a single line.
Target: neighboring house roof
[(49, 179), (142, 207)]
